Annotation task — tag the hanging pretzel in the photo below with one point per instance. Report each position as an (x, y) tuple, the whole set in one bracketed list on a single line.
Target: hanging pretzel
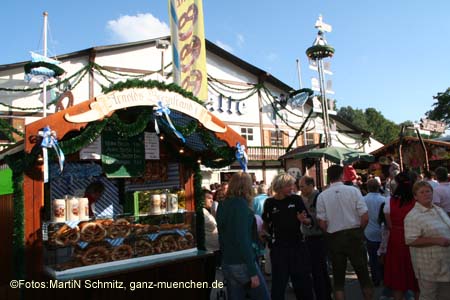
[(59, 102)]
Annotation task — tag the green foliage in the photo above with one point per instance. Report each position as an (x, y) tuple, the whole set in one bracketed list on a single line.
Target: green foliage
[(371, 120), (355, 116), (441, 108)]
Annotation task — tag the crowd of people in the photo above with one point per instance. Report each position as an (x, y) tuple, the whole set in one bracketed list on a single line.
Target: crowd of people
[(394, 233)]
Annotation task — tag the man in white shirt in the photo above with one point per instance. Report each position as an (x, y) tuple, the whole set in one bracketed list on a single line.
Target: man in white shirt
[(441, 193), (342, 213)]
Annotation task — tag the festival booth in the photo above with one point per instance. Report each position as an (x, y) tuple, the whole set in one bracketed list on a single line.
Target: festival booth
[(412, 153), (144, 142)]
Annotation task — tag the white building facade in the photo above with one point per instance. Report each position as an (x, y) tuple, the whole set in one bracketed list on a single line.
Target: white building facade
[(245, 97)]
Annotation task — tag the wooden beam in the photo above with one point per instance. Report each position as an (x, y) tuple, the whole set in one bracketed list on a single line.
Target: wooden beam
[(128, 70)]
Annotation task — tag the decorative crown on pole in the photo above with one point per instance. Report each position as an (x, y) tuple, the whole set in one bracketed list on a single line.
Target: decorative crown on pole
[(320, 48)]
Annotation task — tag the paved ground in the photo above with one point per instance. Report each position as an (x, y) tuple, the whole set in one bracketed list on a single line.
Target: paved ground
[(352, 289)]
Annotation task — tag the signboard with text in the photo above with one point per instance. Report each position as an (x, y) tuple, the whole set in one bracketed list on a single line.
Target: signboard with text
[(122, 156)]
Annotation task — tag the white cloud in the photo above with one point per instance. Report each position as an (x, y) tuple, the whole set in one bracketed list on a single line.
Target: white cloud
[(136, 28), (240, 39), (224, 46)]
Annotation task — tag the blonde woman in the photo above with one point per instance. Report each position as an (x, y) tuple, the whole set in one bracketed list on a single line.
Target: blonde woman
[(237, 231), (283, 214)]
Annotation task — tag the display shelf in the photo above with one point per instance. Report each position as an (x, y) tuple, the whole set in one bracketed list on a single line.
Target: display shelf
[(131, 264)]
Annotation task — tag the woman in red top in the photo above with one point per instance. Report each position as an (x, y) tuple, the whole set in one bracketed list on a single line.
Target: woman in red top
[(398, 272)]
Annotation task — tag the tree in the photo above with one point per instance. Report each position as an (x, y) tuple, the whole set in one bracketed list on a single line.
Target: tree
[(355, 116), (441, 108), (382, 129), (371, 120)]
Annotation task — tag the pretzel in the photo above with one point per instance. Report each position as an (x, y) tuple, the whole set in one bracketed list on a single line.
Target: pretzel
[(182, 242), (92, 232), (169, 243), (157, 246), (190, 238), (95, 255), (123, 251), (143, 247), (140, 229), (167, 226), (119, 228), (66, 236)]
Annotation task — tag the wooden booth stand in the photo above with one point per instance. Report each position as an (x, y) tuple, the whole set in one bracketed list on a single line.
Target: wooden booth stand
[(412, 153), (148, 227)]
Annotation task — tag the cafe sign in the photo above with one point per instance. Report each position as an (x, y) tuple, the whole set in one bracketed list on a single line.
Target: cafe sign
[(106, 104)]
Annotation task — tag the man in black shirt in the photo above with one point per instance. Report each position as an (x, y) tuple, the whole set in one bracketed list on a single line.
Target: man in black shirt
[(283, 215)]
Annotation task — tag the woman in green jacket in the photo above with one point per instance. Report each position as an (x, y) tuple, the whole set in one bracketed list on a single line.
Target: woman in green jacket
[(237, 231)]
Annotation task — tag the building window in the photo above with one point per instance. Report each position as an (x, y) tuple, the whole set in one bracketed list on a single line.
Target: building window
[(247, 133), (276, 138), (309, 138)]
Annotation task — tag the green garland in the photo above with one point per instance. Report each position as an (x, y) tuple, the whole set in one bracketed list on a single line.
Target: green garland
[(187, 130), (19, 162), (130, 75), (199, 203), (89, 135), (65, 81), (252, 92), (133, 129), (18, 230), (226, 155), (320, 51), (135, 83), (212, 79), (6, 129)]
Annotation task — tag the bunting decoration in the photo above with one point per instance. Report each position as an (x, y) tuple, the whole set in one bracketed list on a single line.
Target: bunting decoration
[(49, 141)]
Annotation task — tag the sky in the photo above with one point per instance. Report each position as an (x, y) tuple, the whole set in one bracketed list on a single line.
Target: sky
[(389, 55)]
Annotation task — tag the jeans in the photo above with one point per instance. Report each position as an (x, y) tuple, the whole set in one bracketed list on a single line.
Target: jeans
[(376, 269), (238, 283)]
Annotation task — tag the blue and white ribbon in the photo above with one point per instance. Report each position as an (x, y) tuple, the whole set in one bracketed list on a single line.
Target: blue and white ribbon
[(49, 141), (161, 110), (241, 156)]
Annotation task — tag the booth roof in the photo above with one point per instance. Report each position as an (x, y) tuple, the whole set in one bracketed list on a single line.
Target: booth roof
[(382, 151)]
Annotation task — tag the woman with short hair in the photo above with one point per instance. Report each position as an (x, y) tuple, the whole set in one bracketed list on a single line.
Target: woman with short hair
[(427, 232), (283, 215)]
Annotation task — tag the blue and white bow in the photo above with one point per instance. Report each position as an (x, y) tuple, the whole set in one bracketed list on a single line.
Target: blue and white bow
[(241, 156), (49, 141), (161, 110)]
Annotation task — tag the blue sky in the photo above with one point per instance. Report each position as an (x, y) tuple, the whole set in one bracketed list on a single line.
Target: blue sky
[(390, 55)]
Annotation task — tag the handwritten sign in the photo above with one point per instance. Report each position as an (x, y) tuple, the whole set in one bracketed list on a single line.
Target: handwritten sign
[(151, 142), (122, 156)]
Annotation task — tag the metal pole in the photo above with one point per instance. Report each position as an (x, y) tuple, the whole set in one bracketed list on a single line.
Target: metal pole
[(324, 103), (44, 87), (299, 72)]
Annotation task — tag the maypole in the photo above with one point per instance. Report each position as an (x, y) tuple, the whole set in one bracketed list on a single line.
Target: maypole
[(44, 87), (318, 52)]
